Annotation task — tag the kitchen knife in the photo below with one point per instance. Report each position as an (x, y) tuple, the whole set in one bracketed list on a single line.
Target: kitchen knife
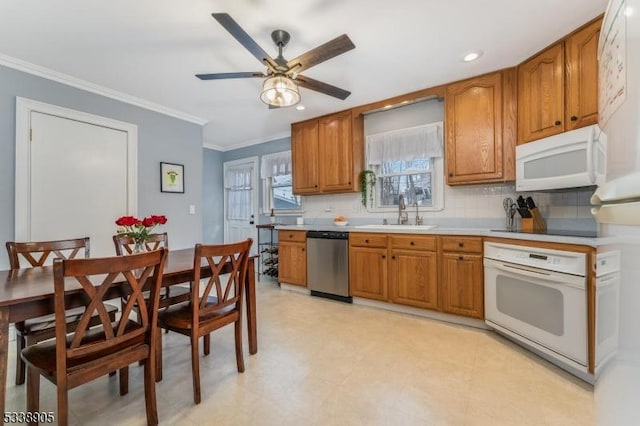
[(522, 208), (530, 203)]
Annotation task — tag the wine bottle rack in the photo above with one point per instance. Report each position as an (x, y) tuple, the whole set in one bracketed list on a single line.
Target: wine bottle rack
[(268, 250)]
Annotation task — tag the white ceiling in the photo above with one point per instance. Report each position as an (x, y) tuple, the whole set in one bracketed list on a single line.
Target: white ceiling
[(151, 49)]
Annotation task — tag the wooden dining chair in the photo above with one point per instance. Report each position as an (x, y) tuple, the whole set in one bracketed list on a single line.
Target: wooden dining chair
[(213, 305), (42, 328), (87, 353), (125, 244)]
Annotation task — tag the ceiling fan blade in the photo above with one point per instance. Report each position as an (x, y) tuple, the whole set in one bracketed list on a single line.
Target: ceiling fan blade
[(321, 87), (245, 39), (330, 49), (223, 75)]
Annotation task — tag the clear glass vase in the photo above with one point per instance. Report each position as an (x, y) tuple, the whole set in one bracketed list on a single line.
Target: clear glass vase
[(138, 246)]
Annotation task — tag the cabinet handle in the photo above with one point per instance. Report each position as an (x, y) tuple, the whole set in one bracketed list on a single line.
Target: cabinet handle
[(302, 249), (558, 122), (384, 257), (315, 186), (290, 235), (460, 258), (366, 241), (450, 174), (349, 182), (460, 245), (393, 257), (412, 243), (574, 118)]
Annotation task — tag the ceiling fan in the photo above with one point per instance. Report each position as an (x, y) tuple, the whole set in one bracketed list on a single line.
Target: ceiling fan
[(280, 89)]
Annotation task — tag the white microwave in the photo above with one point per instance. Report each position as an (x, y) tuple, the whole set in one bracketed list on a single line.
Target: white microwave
[(567, 160)]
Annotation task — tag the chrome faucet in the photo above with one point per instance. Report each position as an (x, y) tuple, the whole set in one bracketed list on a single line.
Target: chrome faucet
[(418, 217), (403, 218)]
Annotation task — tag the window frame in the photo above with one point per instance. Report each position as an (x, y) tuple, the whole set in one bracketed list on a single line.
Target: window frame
[(437, 190), (268, 193)]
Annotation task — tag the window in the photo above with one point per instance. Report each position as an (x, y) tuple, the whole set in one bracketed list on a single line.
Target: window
[(275, 170), (407, 162)]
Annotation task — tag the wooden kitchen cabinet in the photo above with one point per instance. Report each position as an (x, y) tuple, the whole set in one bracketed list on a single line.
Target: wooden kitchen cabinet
[(462, 276), (368, 266), (480, 124), (413, 270), (581, 50), (558, 88), (292, 257), (304, 146), (327, 154)]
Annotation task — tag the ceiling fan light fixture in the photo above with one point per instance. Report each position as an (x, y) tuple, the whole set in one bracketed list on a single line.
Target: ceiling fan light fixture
[(280, 91)]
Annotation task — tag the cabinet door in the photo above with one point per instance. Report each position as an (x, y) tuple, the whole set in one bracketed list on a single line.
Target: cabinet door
[(304, 153), (292, 267), (462, 284), (336, 153), (582, 77), (368, 273), (541, 95), (414, 278), (474, 130)]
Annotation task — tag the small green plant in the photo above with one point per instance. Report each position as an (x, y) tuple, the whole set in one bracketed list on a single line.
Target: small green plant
[(367, 182)]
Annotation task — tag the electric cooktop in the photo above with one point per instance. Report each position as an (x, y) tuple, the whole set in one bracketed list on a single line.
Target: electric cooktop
[(562, 232)]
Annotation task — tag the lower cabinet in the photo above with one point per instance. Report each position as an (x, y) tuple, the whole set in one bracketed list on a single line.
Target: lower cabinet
[(413, 271), (418, 271), (368, 266), (292, 257), (462, 277)]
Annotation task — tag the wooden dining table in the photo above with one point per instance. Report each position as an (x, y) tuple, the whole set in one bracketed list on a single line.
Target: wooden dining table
[(28, 293)]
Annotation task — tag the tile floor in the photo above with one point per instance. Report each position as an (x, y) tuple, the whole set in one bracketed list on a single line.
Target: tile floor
[(322, 362)]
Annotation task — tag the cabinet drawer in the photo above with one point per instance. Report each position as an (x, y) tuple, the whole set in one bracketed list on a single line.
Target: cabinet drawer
[(367, 240), (297, 236), (462, 244), (413, 242)]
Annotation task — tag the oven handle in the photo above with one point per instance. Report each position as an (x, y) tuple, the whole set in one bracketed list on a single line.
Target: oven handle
[(564, 279)]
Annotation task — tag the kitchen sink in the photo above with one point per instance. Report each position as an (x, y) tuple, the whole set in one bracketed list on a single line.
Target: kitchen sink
[(396, 227)]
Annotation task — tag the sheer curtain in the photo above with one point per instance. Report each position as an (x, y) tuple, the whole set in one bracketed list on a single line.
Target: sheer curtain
[(408, 144), (277, 164), (238, 187)]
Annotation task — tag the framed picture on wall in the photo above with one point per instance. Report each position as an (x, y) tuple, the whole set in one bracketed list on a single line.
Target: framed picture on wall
[(171, 177)]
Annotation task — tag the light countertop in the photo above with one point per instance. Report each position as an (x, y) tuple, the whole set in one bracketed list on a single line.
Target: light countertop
[(479, 232)]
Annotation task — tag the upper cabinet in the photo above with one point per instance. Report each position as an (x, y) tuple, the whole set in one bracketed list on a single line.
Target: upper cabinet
[(582, 76), (558, 88), (327, 154), (480, 129)]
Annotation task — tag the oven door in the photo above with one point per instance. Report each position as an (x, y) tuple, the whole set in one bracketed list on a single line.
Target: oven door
[(545, 307)]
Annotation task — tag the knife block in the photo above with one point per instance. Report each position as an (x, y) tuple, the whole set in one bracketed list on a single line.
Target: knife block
[(535, 223)]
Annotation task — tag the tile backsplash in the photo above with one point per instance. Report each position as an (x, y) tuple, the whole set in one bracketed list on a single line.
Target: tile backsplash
[(468, 206)]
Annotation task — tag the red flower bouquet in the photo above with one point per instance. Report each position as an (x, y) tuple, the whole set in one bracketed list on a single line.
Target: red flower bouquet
[(138, 229)]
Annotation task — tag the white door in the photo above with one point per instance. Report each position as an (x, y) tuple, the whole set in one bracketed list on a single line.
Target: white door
[(74, 180), (241, 201)]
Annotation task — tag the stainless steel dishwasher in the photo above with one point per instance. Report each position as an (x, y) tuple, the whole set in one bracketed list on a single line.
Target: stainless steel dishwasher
[(328, 264)]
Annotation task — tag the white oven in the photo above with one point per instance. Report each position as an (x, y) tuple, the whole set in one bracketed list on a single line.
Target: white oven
[(538, 296)]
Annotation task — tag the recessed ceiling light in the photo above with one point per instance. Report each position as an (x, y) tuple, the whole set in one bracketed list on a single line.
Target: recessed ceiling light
[(472, 56), (628, 11), (300, 107), (388, 106)]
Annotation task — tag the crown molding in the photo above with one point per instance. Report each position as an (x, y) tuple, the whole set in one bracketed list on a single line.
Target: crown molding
[(250, 142), (37, 70)]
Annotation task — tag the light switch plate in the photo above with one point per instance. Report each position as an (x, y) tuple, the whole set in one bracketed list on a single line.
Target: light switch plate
[(192, 209)]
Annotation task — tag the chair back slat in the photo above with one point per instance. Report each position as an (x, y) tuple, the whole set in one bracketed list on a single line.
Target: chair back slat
[(36, 253), (228, 287), (99, 280), (126, 244)]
